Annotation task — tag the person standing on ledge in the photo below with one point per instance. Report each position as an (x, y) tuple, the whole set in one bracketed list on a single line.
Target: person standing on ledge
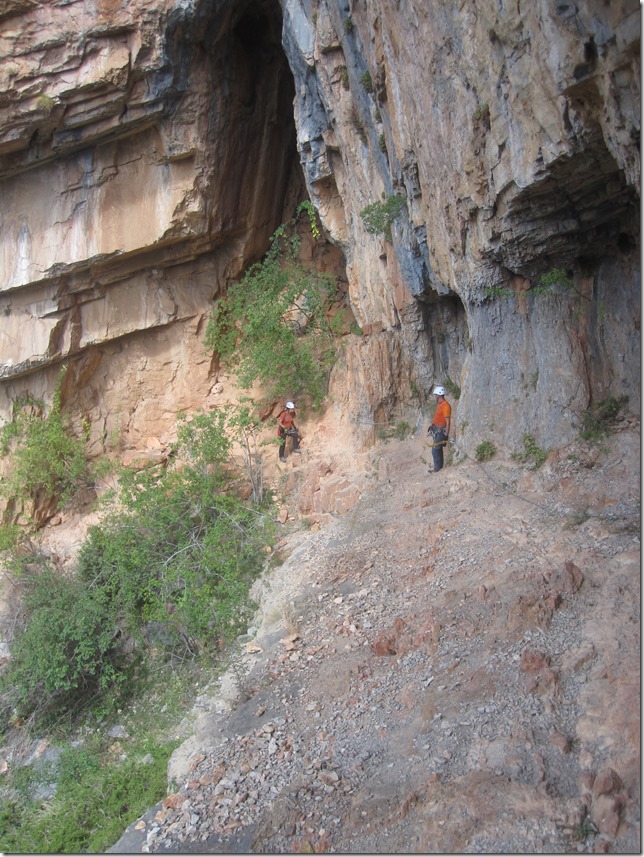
[(286, 428), (441, 426)]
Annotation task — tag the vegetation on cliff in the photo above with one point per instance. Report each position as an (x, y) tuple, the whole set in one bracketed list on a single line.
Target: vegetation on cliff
[(169, 569), (275, 325), (162, 579)]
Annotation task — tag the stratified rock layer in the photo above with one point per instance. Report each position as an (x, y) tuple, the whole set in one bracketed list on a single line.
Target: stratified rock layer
[(148, 150)]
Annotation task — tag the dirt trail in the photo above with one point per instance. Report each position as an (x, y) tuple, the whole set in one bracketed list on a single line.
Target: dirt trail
[(452, 666)]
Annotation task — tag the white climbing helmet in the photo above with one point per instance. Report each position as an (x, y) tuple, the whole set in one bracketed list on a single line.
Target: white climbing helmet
[(290, 406), (439, 391)]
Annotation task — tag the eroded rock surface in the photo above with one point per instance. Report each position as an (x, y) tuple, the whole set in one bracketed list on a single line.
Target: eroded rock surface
[(148, 150)]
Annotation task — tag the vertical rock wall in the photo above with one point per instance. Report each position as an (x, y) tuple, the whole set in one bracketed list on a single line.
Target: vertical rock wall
[(512, 132), (147, 153), (149, 149)]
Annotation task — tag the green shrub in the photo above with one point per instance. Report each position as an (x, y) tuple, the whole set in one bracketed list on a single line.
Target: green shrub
[(274, 324), (67, 647), (498, 292), (452, 388), (170, 568), (402, 430), (546, 284), (379, 216), (10, 536), (344, 77), (485, 451), (482, 111), (348, 25), (47, 461), (365, 80), (382, 143), (181, 553), (399, 431), (555, 277), (598, 420), (45, 103), (531, 453), (94, 802), (358, 124)]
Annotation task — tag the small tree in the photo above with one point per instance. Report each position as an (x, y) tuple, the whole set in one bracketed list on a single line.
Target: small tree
[(273, 325), (379, 217), (47, 461), (67, 647)]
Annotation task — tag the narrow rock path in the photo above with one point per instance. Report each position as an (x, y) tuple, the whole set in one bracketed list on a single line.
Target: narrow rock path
[(453, 666)]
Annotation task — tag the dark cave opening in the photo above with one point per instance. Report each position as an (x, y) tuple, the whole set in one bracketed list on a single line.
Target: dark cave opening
[(581, 209), (234, 48), (445, 320)]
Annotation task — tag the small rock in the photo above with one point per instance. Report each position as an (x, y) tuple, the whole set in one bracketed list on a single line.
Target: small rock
[(606, 814), (117, 732), (560, 741), (329, 778), (606, 782)]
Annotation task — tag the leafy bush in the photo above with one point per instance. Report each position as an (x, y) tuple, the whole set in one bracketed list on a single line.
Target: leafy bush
[(531, 453), (181, 553), (10, 535), (365, 80), (379, 216), (498, 292), (546, 284), (45, 103), (452, 388), (598, 420), (170, 567), (67, 647), (274, 323), (94, 802), (552, 278), (482, 112), (400, 431), (47, 461), (485, 451)]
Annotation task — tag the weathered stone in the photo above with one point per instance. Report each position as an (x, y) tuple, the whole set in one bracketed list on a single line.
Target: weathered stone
[(606, 782), (606, 814), (534, 661)]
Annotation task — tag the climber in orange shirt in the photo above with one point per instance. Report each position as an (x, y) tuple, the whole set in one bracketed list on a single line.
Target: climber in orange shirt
[(440, 427), (286, 428)]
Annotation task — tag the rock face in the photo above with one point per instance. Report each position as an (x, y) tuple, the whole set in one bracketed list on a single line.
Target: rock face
[(146, 154), (512, 135), (148, 150)]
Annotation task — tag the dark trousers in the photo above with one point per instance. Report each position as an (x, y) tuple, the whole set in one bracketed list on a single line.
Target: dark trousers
[(292, 433), (440, 439)]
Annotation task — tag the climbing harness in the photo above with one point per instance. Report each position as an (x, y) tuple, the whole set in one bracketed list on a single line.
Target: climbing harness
[(432, 431)]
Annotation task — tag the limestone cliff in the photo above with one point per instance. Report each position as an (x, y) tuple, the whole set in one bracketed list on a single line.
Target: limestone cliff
[(148, 150)]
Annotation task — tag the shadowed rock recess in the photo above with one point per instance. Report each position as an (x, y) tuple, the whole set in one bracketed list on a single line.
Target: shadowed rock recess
[(148, 151)]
